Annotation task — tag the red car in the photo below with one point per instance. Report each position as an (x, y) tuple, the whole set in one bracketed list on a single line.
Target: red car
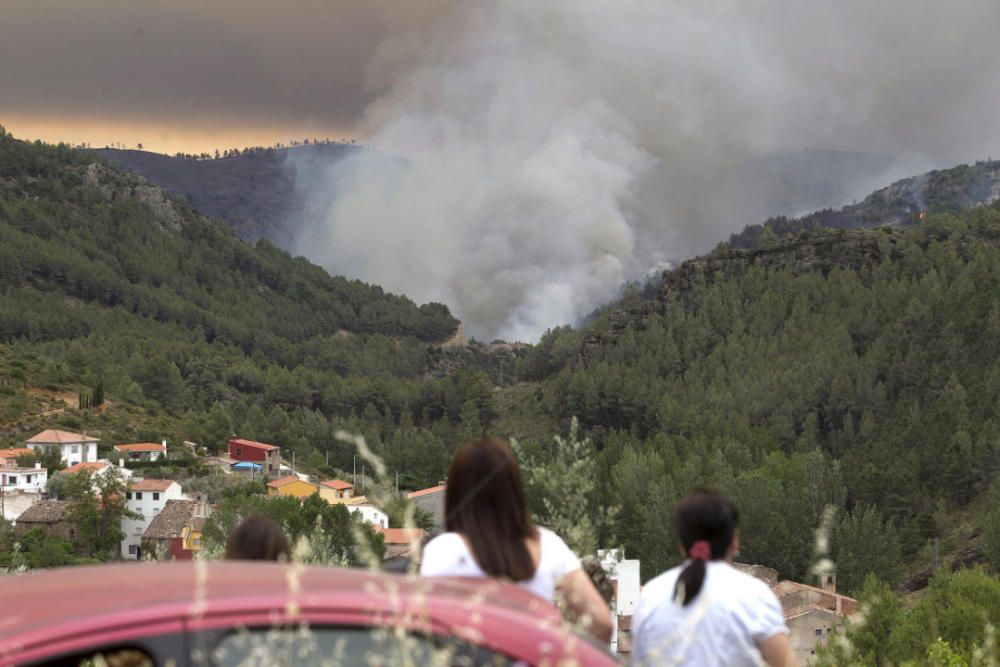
[(224, 614)]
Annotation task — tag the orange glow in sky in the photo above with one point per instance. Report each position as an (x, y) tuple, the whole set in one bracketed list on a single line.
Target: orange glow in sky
[(160, 137)]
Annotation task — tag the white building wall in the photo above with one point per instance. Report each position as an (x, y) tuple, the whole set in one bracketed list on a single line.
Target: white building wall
[(371, 514), (147, 504), (31, 480), (72, 452), (14, 504), (625, 573)]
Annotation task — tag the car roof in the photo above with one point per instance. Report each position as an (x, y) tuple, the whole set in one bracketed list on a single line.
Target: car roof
[(46, 605), (100, 589)]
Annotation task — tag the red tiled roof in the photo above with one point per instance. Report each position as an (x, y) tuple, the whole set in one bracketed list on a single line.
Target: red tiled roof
[(86, 465), (402, 535), (252, 443), (140, 447), (281, 481), (15, 452), (57, 437), (151, 485), (426, 492), (337, 484)]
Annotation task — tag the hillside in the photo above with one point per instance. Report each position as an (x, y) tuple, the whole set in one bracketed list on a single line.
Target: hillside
[(855, 368), (195, 334), (254, 191), (900, 204)]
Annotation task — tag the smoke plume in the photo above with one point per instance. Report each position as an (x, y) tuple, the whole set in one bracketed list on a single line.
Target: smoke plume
[(544, 153)]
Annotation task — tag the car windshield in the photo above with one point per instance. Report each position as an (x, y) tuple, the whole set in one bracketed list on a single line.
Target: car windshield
[(345, 647)]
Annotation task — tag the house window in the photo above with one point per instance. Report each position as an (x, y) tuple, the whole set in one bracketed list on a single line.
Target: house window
[(133, 549), (819, 632), (239, 451), (138, 495), (128, 495), (12, 479), (28, 479), (156, 496), (75, 449)]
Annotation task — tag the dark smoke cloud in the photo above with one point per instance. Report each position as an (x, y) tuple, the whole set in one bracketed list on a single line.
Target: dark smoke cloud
[(187, 60), (556, 149)]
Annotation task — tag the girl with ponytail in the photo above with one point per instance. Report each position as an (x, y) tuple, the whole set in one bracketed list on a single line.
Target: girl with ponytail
[(705, 612)]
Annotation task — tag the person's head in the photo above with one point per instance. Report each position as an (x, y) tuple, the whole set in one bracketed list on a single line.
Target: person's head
[(707, 525), (484, 501), (257, 538)]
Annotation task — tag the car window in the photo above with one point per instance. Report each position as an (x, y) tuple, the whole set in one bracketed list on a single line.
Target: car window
[(107, 657), (347, 647)]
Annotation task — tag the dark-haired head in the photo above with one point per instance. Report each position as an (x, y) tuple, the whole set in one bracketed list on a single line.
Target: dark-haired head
[(484, 501), (257, 538), (706, 525)]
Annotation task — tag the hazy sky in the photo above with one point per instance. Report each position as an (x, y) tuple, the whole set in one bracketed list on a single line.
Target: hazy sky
[(189, 74)]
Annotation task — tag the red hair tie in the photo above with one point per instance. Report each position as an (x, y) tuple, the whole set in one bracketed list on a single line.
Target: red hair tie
[(700, 550)]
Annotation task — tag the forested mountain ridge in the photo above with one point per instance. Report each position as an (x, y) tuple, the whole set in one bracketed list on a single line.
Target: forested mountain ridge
[(253, 190), (852, 368), (899, 204), (76, 226)]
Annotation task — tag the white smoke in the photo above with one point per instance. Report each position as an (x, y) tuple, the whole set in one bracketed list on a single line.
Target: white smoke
[(551, 151)]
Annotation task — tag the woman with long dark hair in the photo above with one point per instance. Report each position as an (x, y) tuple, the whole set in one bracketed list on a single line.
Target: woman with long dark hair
[(490, 534), (705, 612)]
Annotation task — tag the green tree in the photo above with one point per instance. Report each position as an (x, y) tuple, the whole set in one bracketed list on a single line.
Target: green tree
[(562, 481), (49, 457), (864, 544), (98, 507), (991, 526)]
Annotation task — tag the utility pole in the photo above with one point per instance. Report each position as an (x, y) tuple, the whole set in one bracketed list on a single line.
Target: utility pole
[(354, 474)]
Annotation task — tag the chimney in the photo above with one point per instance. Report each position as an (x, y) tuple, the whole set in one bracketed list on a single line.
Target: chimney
[(164, 448), (830, 583), (38, 465), (121, 463)]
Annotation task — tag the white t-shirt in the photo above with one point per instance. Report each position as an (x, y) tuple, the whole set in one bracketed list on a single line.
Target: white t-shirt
[(448, 556), (723, 625)]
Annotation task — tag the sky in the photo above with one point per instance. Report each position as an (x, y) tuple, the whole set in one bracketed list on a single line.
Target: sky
[(191, 76), (531, 157)]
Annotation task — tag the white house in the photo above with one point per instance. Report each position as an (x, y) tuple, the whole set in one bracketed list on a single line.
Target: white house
[(98, 469), (624, 575), (30, 480), (73, 447), (142, 451), (371, 514), (147, 498)]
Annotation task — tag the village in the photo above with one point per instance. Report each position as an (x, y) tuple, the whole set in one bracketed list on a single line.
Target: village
[(165, 523)]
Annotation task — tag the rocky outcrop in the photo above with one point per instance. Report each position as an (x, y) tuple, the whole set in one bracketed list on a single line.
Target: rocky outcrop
[(111, 184)]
